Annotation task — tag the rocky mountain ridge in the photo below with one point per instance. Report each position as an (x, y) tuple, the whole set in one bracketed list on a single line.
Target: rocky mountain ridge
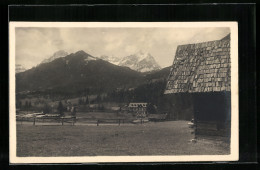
[(140, 61)]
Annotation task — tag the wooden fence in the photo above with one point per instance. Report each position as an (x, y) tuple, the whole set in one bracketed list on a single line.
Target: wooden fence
[(73, 121)]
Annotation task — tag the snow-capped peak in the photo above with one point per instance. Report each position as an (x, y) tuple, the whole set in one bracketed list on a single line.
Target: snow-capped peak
[(140, 61), (58, 54), (142, 55)]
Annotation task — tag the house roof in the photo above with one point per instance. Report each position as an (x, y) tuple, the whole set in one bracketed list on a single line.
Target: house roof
[(137, 104), (201, 67)]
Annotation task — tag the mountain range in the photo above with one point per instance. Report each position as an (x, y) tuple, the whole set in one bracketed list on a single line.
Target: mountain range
[(75, 72), (140, 61)]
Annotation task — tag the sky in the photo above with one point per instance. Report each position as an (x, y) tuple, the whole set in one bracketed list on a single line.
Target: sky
[(34, 44)]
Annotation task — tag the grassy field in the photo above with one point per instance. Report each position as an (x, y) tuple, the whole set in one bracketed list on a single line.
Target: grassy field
[(161, 138)]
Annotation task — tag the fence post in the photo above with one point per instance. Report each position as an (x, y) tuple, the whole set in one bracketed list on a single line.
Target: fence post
[(34, 121), (62, 121), (119, 122), (195, 129), (97, 122)]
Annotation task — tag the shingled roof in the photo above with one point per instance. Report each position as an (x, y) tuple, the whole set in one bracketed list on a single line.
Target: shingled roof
[(201, 67)]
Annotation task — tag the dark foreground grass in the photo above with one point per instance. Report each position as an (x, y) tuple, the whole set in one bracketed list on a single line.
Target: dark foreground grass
[(162, 138)]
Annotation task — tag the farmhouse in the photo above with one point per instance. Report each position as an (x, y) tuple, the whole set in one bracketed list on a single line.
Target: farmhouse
[(202, 71), (139, 108)]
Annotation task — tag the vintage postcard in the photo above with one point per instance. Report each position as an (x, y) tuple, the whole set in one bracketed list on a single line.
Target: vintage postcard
[(95, 92)]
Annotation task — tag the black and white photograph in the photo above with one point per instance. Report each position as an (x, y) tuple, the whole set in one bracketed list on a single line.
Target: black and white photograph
[(123, 92)]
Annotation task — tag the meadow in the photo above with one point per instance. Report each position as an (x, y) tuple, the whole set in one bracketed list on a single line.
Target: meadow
[(152, 138)]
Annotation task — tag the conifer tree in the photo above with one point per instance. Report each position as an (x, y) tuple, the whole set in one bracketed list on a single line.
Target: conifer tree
[(60, 108), (87, 101)]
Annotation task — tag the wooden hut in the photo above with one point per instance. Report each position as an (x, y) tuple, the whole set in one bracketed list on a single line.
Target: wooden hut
[(202, 70)]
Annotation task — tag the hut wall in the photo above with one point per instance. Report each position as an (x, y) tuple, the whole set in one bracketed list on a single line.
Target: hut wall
[(212, 113)]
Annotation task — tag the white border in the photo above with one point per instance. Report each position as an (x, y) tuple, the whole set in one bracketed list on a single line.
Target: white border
[(234, 145)]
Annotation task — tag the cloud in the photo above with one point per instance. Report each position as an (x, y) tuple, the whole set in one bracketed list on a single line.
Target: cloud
[(130, 49), (35, 44)]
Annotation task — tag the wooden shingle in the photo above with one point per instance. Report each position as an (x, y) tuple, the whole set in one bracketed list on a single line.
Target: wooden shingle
[(201, 67)]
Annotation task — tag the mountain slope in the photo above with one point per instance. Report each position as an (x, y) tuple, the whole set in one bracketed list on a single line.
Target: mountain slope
[(158, 75), (112, 59), (19, 68), (75, 72)]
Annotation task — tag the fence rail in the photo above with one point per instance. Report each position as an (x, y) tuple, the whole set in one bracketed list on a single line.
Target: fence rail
[(73, 121)]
